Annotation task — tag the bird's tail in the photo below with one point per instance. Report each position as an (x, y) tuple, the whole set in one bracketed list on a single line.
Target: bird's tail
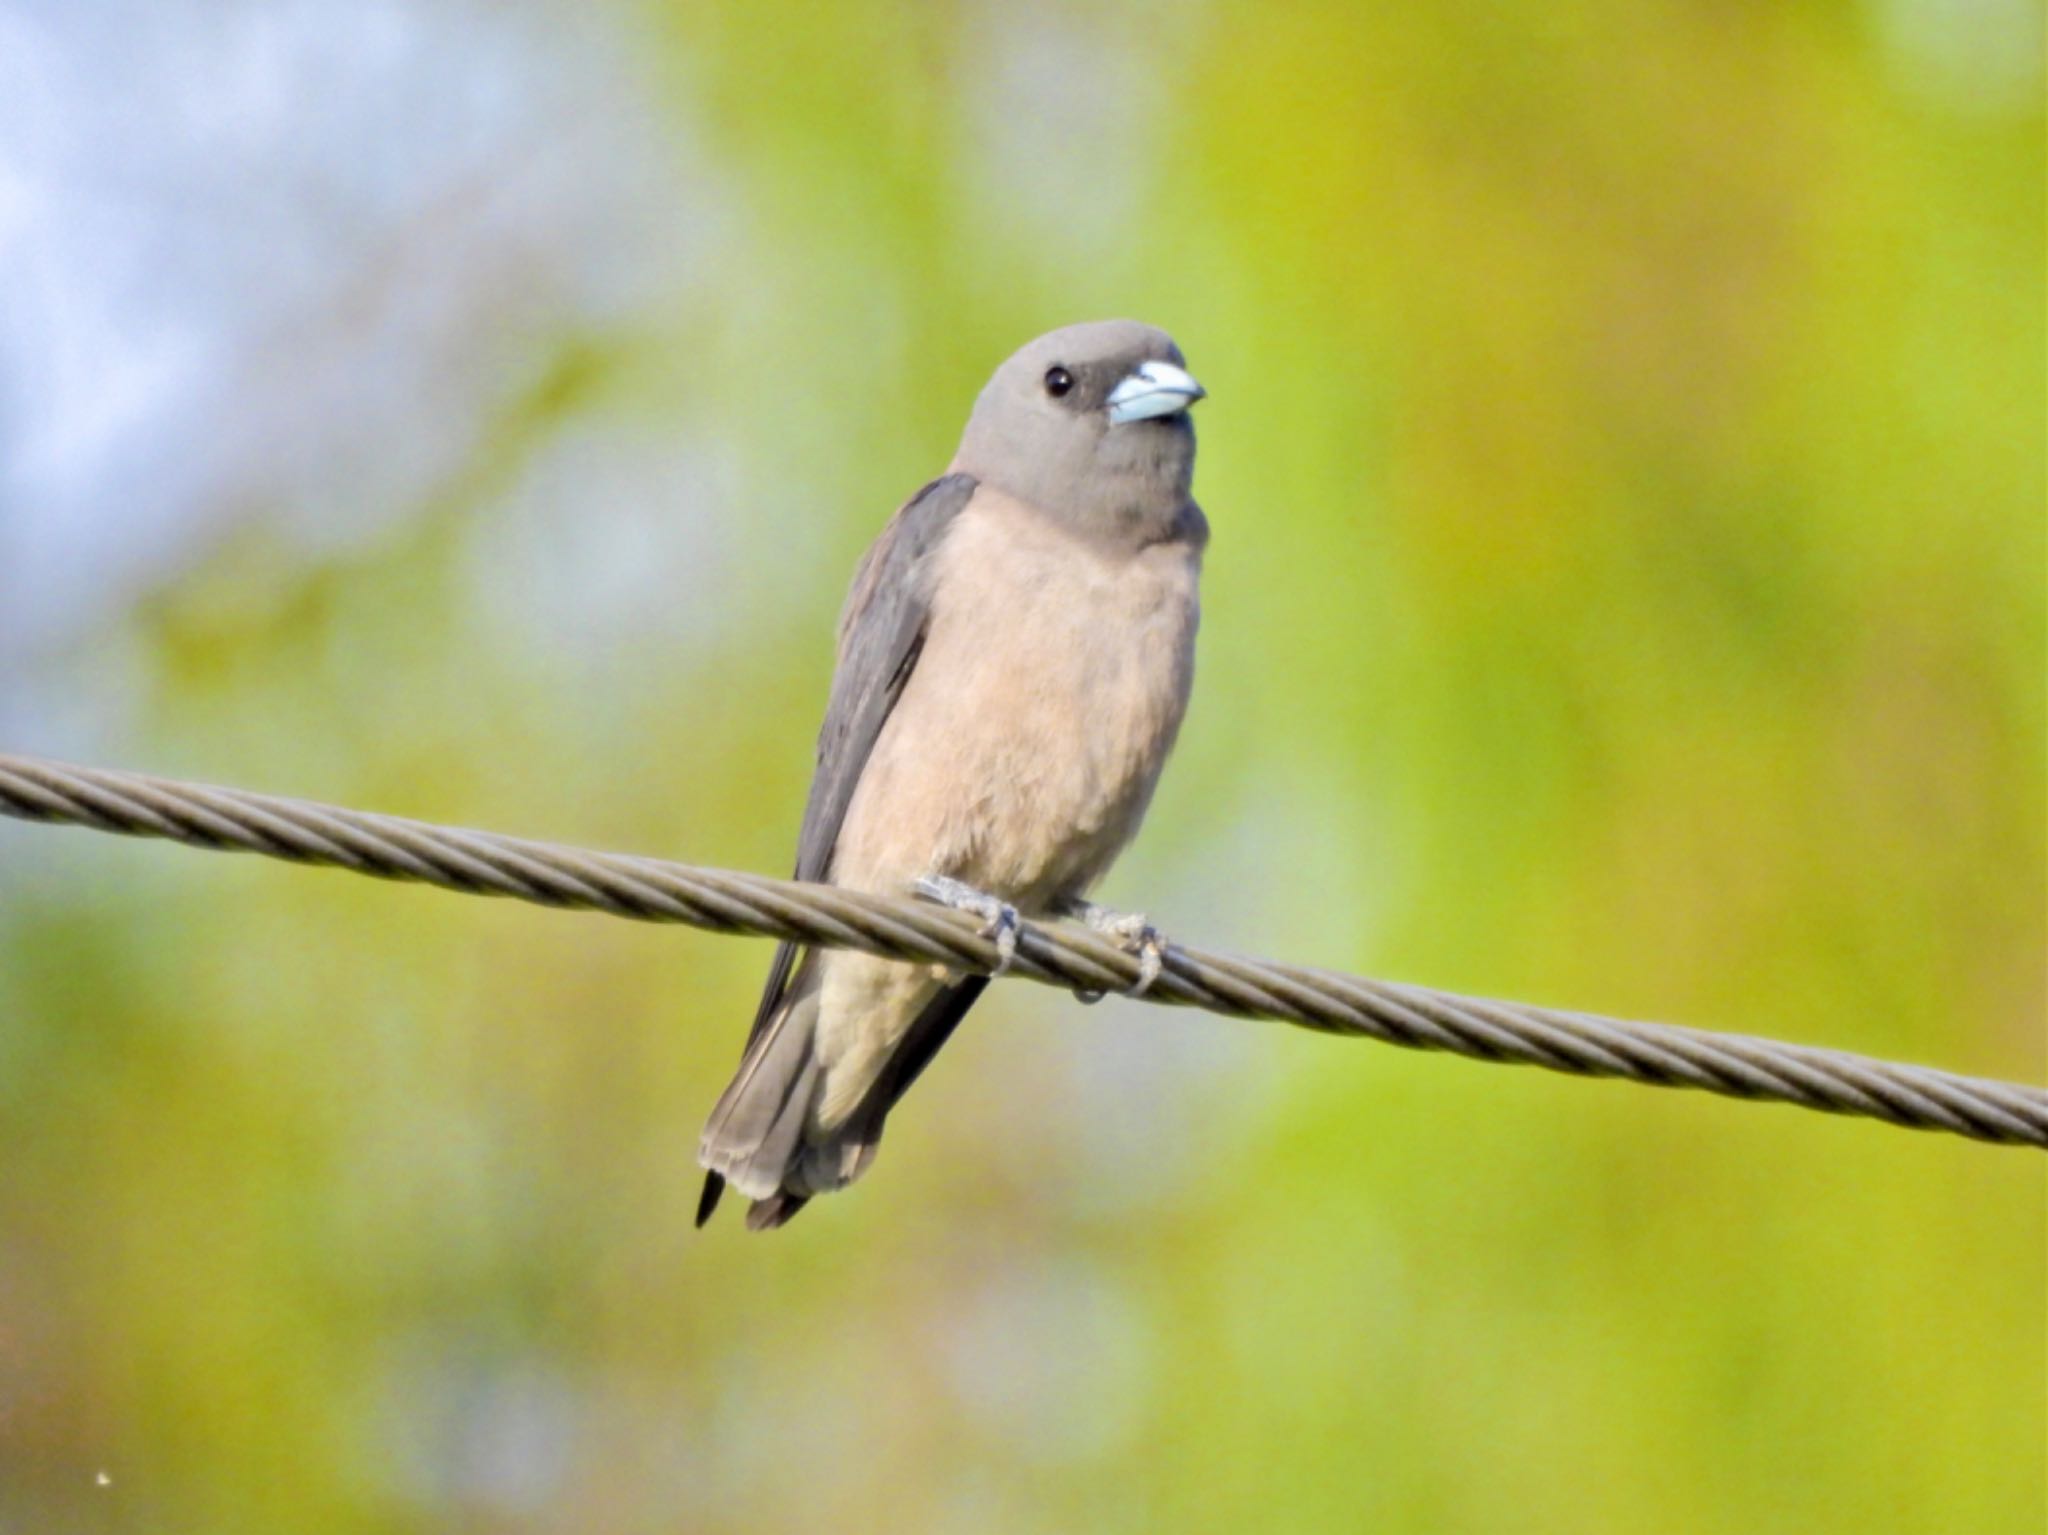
[(754, 1137)]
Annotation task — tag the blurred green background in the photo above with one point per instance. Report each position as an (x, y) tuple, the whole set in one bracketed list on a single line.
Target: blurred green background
[(1625, 452)]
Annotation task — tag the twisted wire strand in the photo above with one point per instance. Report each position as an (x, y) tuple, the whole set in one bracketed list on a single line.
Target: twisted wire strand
[(1066, 955)]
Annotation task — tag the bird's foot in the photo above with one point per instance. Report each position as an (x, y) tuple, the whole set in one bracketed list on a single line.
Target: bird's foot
[(1130, 931), (999, 920)]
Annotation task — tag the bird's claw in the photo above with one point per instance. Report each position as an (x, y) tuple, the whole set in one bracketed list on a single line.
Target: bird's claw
[(999, 921), (1132, 932)]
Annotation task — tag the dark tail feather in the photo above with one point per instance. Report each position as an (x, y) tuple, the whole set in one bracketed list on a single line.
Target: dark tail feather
[(776, 1210), (707, 1202)]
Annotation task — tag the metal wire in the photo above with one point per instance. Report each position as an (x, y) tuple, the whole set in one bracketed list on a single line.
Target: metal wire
[(1064, 954)]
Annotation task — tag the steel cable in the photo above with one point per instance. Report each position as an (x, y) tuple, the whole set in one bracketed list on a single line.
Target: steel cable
[(1060, 954)]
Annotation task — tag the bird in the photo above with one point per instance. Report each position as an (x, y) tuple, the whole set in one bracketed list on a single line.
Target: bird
[(1015, 656)]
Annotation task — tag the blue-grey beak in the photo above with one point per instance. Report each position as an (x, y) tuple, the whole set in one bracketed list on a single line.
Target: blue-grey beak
[(1154, 389)]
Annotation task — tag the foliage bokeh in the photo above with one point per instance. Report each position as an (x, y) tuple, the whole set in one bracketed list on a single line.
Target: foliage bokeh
[(1625, 450)]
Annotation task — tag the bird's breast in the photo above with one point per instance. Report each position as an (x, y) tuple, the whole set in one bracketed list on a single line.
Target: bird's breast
[(1029, 738)]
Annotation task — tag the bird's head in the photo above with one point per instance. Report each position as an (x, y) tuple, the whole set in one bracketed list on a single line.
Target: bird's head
[(1090, 423)]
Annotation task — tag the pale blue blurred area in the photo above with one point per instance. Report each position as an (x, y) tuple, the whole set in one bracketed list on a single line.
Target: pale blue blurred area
[(285, 265)]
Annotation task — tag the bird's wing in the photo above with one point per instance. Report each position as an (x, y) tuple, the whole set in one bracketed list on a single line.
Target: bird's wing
[(881, 632)]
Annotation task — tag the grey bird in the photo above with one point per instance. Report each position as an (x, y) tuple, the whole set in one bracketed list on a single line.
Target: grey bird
[(1014, 660)]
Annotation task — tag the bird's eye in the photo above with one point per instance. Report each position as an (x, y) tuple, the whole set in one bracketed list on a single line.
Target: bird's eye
[(1058, 381)]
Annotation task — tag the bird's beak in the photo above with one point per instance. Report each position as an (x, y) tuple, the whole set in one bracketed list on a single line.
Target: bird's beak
[(1154, 389)]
